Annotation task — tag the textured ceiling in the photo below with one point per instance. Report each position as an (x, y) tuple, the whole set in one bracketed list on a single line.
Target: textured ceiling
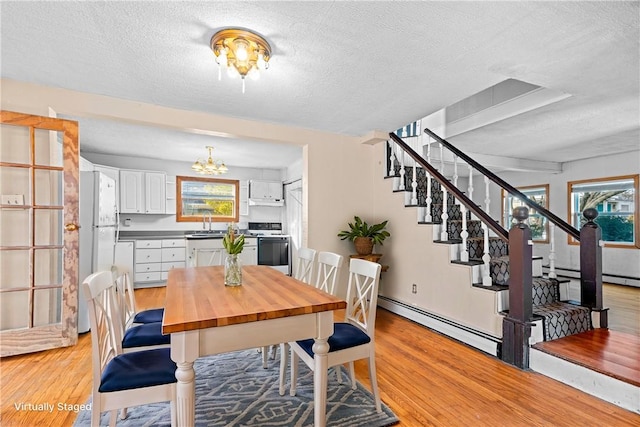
[(342, 67)]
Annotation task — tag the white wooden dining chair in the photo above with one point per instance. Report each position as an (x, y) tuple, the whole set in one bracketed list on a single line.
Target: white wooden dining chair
[(329, 266), (304, 265), (304, 272), (352, 339), (122, 380)]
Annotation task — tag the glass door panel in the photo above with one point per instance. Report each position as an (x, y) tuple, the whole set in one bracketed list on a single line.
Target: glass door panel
[(14, 271), (46, 310), (48, 187), (12, 150), (48, 148), (48, 227), (17, 318)]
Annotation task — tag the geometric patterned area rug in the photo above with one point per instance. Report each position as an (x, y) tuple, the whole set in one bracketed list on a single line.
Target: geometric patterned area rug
[(232, 389)]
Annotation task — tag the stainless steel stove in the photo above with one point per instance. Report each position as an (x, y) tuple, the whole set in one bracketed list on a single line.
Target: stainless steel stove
[(274, 247)]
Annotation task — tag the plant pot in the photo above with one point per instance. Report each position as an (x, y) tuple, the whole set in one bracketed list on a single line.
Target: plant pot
[(364, 245)]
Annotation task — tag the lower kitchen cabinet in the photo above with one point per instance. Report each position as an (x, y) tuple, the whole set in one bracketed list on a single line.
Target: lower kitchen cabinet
[(205, 252), (154, 258)]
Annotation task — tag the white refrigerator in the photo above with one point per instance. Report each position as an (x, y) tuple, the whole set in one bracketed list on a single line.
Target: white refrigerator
[(98, 231)]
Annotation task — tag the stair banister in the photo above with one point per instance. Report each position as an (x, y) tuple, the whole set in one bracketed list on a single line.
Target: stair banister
[(459, 195), (572, 231)]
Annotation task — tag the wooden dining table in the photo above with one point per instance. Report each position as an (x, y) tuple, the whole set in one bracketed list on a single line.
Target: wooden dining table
[(205, 317)]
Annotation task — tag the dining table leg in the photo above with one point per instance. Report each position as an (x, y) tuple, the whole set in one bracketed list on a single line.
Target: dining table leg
[(320, 350), (184, 351)]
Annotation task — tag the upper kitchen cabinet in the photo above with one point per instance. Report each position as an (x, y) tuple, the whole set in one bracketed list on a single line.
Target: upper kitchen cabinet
[(142, 192), (266, 193)]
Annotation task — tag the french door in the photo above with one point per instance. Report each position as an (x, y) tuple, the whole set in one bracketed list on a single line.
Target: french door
[(38, 233)]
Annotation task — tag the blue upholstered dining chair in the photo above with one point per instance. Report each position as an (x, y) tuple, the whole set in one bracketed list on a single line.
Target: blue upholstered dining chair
[(134, 337), (122, 380), (127, 298), (352, 339)]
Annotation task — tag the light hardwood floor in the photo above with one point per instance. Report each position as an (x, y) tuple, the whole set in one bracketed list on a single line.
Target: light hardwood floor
[(427, 379)]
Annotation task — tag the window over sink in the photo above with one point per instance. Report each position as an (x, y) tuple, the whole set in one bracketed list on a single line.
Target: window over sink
[(197, 198)]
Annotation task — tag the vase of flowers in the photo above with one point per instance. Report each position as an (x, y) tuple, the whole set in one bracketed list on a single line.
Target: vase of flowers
[(233, 244)]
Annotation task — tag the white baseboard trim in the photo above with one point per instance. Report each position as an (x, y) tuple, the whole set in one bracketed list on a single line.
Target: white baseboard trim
[(476, 339), (607, 388)]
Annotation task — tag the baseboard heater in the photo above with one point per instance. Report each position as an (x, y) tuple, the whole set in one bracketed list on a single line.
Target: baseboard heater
[(474, 338)]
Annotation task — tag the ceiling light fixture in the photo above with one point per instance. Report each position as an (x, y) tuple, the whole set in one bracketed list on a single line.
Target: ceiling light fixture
[(242, 52), (210, 167)]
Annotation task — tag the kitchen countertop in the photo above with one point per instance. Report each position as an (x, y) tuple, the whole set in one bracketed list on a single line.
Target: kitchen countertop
[(172, 234)]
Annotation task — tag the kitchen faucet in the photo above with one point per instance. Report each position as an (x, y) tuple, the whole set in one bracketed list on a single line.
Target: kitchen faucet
[(209, 221)]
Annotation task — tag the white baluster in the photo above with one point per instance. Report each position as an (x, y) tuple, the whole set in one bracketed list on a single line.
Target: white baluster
[(444, 235), (464, 253), (486, 258), (414, 186), (552, 251), (455, 170), (427, 217), (391, 158), (402, 172), (470, 187), (441, 158)]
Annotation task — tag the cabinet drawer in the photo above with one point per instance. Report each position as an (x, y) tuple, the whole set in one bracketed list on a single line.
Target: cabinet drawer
[(166, 266), (173, 254), (148, 244), (148, 277), (148, 267), (148, 255), (173, 243)]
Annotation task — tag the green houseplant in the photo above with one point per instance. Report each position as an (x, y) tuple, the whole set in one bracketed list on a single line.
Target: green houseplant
[(233, 244), (364, 236)]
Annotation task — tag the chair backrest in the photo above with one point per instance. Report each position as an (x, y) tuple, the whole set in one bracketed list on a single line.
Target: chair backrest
[(125, 295), (362, 294), (304, 266), (104, 318), (329, 265)]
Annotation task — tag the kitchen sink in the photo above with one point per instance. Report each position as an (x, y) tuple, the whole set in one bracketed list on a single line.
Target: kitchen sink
[(205, 234)]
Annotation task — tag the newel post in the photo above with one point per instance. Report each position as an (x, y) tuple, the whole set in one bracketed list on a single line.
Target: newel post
[(591, 266), (516, 327)]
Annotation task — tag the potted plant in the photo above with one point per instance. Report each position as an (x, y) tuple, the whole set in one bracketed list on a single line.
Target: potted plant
[(364, 236), (233, 244)]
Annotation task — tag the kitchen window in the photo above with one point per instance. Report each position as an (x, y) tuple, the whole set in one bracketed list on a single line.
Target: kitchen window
[(197, 198), (538, 224), (616, 200)]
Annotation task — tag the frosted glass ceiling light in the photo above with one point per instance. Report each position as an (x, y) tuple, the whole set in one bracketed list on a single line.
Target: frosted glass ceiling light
[(211, 166), (241, 51)]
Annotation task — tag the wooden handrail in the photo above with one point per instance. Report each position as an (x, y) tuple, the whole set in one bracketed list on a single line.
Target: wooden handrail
[(491, 223), (566, 227)]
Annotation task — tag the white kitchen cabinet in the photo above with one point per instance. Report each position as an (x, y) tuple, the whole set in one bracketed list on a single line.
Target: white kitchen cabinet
[(155, 257), (265, 190), (142, 192), (170, 204), (244, 197), (205, 252), (131, 196)]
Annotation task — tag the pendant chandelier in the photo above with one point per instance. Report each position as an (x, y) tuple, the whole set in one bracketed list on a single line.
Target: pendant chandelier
[(210, 167), (242, 52)]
